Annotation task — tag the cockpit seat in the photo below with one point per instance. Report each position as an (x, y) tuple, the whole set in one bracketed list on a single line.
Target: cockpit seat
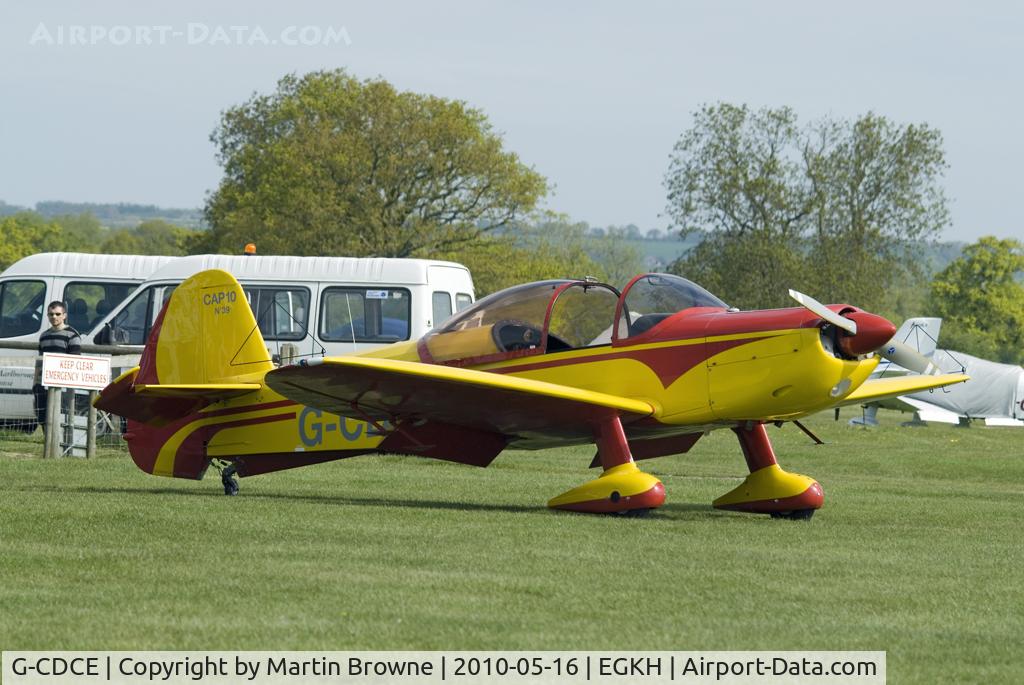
[(646, 323), (512, 335)]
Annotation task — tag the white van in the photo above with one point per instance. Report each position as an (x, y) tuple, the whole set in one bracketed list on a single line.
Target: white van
[(91, 286), (320, 305)]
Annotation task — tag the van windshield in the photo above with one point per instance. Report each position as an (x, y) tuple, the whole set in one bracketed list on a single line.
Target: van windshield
[(21, 307)]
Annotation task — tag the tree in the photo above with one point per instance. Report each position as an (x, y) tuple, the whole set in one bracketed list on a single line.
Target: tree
[(549, 245), (27, 233), (329, 164), (981, 300), (834, 208), (876, 197), (619, 259), (153, 237), (82, 232)]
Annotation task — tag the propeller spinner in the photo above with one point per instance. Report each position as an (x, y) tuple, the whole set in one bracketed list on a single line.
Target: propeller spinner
[(866, 332)]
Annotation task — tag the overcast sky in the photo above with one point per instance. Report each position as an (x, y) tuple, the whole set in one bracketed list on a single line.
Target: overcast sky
[(115, 103)]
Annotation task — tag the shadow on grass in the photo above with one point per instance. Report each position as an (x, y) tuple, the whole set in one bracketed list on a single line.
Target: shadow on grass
[(667, 512)]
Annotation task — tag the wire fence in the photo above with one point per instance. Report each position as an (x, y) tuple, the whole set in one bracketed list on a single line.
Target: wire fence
[(24, 407)]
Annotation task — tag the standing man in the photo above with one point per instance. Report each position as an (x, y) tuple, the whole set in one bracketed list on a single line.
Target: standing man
[(59, 337)]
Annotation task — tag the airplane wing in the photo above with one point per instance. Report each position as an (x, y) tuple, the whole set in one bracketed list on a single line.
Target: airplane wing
[(880, 388), (932, 412), (432, 402)]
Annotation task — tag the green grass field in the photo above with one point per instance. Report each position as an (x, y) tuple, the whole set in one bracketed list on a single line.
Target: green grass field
[(918, 552)]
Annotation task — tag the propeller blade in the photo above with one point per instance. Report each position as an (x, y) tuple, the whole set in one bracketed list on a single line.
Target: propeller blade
[(909, 358), (824, 312)]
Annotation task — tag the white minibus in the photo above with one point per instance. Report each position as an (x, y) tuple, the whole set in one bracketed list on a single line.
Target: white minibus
[(90, 285), (317, 306), (320, 305)]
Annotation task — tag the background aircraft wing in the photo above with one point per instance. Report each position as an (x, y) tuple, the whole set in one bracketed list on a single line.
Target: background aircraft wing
[(451, 413), (927, 411)]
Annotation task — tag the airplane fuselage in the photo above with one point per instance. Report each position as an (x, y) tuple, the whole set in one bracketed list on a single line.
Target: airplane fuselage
[(706, 369)]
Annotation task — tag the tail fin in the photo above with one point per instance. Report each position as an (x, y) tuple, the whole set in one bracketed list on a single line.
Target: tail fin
[(206, 335), (204, 347), (921, 333)]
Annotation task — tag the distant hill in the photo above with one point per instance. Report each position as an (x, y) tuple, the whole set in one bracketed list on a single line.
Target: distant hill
[(7, 210), (119, 215), (123, 214), (658, 253)]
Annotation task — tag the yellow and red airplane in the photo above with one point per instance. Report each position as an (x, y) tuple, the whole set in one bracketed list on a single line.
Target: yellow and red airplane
[(642, 374)]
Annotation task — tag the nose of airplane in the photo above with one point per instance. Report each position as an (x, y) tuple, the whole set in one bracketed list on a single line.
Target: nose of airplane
[(873, 331)]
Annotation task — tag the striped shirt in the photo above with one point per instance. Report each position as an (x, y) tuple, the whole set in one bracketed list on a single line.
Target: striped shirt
[(64, 341)]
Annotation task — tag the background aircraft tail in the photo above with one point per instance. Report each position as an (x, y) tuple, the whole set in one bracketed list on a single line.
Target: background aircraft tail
[(920, 333)]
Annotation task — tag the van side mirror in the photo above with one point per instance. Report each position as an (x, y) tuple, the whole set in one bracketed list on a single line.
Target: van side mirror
[(103, 336)]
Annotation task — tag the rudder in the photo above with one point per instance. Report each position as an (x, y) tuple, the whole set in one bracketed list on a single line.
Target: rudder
[(206, 334)]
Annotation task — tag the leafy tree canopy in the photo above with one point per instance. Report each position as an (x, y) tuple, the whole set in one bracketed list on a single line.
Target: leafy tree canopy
[(618, 259), (546, 246), (332, 165), (835, 208), (153, 237), (27, 233), (981, 300)]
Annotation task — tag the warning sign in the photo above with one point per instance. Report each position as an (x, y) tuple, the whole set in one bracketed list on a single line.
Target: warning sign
[(75, 371)]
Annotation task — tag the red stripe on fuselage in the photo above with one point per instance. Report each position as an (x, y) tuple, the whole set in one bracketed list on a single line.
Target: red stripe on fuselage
[(145, 442), (690, 328), (668, 363), (705, 322)]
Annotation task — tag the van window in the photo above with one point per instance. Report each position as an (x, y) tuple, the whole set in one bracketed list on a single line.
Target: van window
[(131, 325), (168, 291), (365, 314), (281, 313), (462, 300), (89, 302), (442, 307), (21, 307)]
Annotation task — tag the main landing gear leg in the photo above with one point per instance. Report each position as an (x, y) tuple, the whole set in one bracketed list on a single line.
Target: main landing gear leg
[(622, 488), (228, 480), (768, 489)]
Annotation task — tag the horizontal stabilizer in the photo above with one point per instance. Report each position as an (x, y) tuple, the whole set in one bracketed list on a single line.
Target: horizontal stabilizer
[(880, 388), (158, 405), (210, 391)]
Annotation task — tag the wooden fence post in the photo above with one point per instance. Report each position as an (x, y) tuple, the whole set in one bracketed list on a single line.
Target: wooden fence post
[(90, 430), (68, 400), (53, 427)]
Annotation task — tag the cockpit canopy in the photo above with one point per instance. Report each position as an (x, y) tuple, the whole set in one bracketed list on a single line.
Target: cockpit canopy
[(558, 315)]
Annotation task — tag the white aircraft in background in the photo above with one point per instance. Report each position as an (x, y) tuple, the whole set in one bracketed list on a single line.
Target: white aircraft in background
[(994, 394)]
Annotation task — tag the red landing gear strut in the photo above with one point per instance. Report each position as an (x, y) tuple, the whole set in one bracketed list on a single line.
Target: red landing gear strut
[(621, 487), (768, 489)]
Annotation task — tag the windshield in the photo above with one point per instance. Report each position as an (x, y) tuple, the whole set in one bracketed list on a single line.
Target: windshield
[(21, 307), (652, 298), (508, 321)]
